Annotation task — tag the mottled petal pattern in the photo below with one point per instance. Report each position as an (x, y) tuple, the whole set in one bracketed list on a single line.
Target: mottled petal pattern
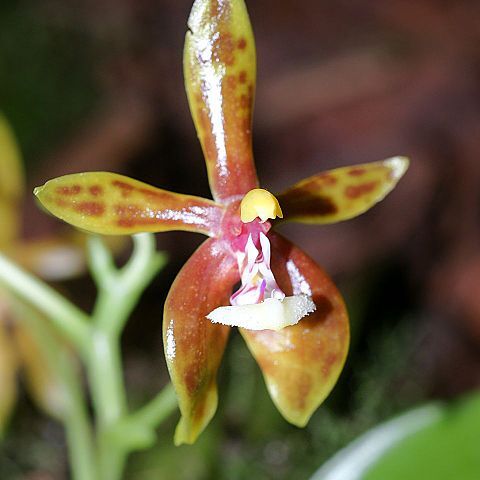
[(112, 204), (193, 345), (342, 193), (302, 363), (220, 75)]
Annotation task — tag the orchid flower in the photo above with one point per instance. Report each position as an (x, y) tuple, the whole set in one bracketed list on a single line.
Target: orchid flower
[(289, 312), (51, 258)]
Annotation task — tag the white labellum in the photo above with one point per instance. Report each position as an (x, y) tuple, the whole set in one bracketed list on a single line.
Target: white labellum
[(271, 314)]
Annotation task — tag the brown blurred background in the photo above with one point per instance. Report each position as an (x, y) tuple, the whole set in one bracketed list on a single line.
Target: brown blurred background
[(97, 85)]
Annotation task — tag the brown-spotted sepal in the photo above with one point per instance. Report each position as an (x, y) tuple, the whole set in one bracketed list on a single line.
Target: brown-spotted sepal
[(302, 363), (342, 193), (220, 75), (193, 345), (112, 204)]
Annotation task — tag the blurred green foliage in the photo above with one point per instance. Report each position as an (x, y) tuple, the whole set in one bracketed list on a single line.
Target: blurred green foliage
[(445, 450), (46, 81)]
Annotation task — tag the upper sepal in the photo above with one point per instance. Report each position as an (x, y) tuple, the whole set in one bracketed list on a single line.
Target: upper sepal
[(112, 204), (342, 193), (302, 363), (193, 345), (220, 75)]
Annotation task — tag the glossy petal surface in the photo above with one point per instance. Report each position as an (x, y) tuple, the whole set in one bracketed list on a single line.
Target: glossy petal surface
[(342, 193), (193, 345), (112, 204), (302, 363), (220, 75), (11, 183)]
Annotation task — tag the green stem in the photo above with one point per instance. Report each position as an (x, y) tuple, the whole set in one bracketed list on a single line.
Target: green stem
[(74, 416), (158, 409), (79, 434), (105, 372), (69, 320), (119, 292), (98, 342), (137, 431)]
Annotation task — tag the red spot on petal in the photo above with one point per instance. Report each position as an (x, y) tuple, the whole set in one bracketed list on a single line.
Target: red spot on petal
[(67, 191), (244, 101), (242, 77), (92, 209), (125, 188), (357, 172), (223, 49), (327, 179), (96, 190), (242, 43), (192, 378), (355, 191), (157, 195), (230, 82)]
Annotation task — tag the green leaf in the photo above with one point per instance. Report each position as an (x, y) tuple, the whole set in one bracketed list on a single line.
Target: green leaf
[(431, 442)]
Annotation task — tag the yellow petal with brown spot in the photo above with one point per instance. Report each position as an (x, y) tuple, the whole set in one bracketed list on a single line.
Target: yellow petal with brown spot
[(342, 193), (112, 204)]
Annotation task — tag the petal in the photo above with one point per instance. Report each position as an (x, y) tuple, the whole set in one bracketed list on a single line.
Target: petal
[(42, 383), (11, 183), (342, 193), (8, 370), (112, 204), (11, 170), (220, 75), (9, 221), (52, 259), (302, 363), (193, 345)]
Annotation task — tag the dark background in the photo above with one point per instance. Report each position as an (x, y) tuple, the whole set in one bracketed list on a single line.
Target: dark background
[(97, 85)]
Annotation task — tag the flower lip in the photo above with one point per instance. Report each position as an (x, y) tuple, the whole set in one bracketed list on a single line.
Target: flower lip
[(259, 304), (271, 314)]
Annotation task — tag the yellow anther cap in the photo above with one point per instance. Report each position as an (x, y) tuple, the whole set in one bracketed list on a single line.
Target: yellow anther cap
[(259, 203)]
